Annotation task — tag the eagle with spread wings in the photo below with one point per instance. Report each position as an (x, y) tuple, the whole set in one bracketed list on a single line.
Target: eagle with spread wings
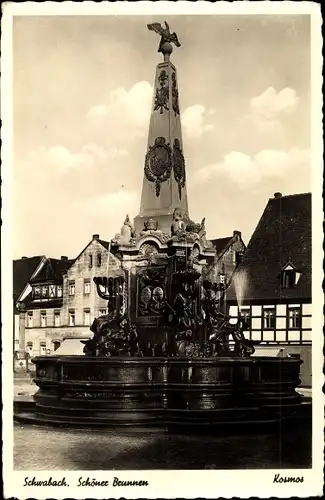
[(166, 35)]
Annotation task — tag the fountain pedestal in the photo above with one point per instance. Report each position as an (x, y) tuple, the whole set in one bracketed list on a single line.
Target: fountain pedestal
[(85, 391)]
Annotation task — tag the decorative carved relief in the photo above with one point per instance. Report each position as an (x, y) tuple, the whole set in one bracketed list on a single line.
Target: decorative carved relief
[(162, 93), (149, 251), (158, 163), (150, 225), (151, 291), (179, 167), (175, 95)]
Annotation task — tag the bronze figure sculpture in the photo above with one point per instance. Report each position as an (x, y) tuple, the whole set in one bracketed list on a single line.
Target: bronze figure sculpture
[(166, 35)]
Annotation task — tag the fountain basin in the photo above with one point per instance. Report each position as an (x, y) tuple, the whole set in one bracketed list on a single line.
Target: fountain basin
[(80, 390)]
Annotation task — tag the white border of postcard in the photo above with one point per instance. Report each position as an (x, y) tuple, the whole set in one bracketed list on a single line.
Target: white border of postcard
[(166, 483)]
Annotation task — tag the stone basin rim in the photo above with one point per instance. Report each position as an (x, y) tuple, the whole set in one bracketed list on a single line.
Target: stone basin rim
[(118, 360)]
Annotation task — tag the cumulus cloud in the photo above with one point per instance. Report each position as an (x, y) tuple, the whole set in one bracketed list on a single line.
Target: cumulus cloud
[(61, 160), (130, 107), (194, 120), (244, 170), (115, 204), (117, 153), (270, 104), (129, 111), (266, 122)]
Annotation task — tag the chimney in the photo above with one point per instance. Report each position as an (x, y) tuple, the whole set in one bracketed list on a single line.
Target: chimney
[(23, 258), (237, 234), (277, 195), (95, 236), (64, 257)]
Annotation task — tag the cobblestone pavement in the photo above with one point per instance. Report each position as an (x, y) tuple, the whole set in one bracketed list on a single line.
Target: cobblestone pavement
[(40, 448)]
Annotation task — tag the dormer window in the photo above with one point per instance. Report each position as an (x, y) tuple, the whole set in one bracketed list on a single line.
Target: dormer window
[(289, 276)]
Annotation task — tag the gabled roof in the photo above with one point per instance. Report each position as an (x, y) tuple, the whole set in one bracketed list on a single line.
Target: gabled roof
[(282, 236), (221, 243), (104, 243), (23, 270), (53, 270)]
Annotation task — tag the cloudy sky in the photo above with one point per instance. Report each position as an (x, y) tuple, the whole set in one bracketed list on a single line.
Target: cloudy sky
[(82, 97)]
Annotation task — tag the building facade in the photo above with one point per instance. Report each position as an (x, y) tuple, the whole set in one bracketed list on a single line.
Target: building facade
[(271, 289), (229, 253), (41, 307), (24, 270), (81, 302), (59, 299)]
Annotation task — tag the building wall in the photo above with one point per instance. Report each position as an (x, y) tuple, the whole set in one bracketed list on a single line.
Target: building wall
[(294, 340), (226, 263), (41, 340), (281, 332), (16, 332), (82, 272)]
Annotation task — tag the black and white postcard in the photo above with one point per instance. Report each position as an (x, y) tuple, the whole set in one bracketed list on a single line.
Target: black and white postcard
[(162, 302)]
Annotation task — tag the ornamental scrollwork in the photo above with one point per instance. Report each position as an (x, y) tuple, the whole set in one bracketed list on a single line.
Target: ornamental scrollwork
[(158, 163), (175, 95), (179, 167), (162, 93)]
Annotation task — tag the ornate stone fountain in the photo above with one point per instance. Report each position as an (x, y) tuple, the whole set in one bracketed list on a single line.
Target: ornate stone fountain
[(197, 372), (166, 353)]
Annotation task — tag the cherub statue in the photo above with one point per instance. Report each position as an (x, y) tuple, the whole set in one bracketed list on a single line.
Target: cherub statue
[(178, 225), (127, 231)]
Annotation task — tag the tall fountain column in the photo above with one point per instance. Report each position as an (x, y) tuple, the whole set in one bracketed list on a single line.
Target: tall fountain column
[(164, 180)]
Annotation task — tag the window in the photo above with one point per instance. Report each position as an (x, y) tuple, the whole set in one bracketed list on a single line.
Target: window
[(42, 348), (86, 287), (289, 276), (45, 291), (102, 312), (99, 259), (29, 347), (52, 291), (87, 317), (43, 319), (238, 257), (269, 319), (72, 288), (59, 291), (246, 315), (72, 318), (30, 319), (294, 316), (56, 318), (56, 345), (90, 260)]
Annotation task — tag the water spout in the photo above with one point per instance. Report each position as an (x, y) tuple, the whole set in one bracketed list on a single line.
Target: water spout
[(240, 283)]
